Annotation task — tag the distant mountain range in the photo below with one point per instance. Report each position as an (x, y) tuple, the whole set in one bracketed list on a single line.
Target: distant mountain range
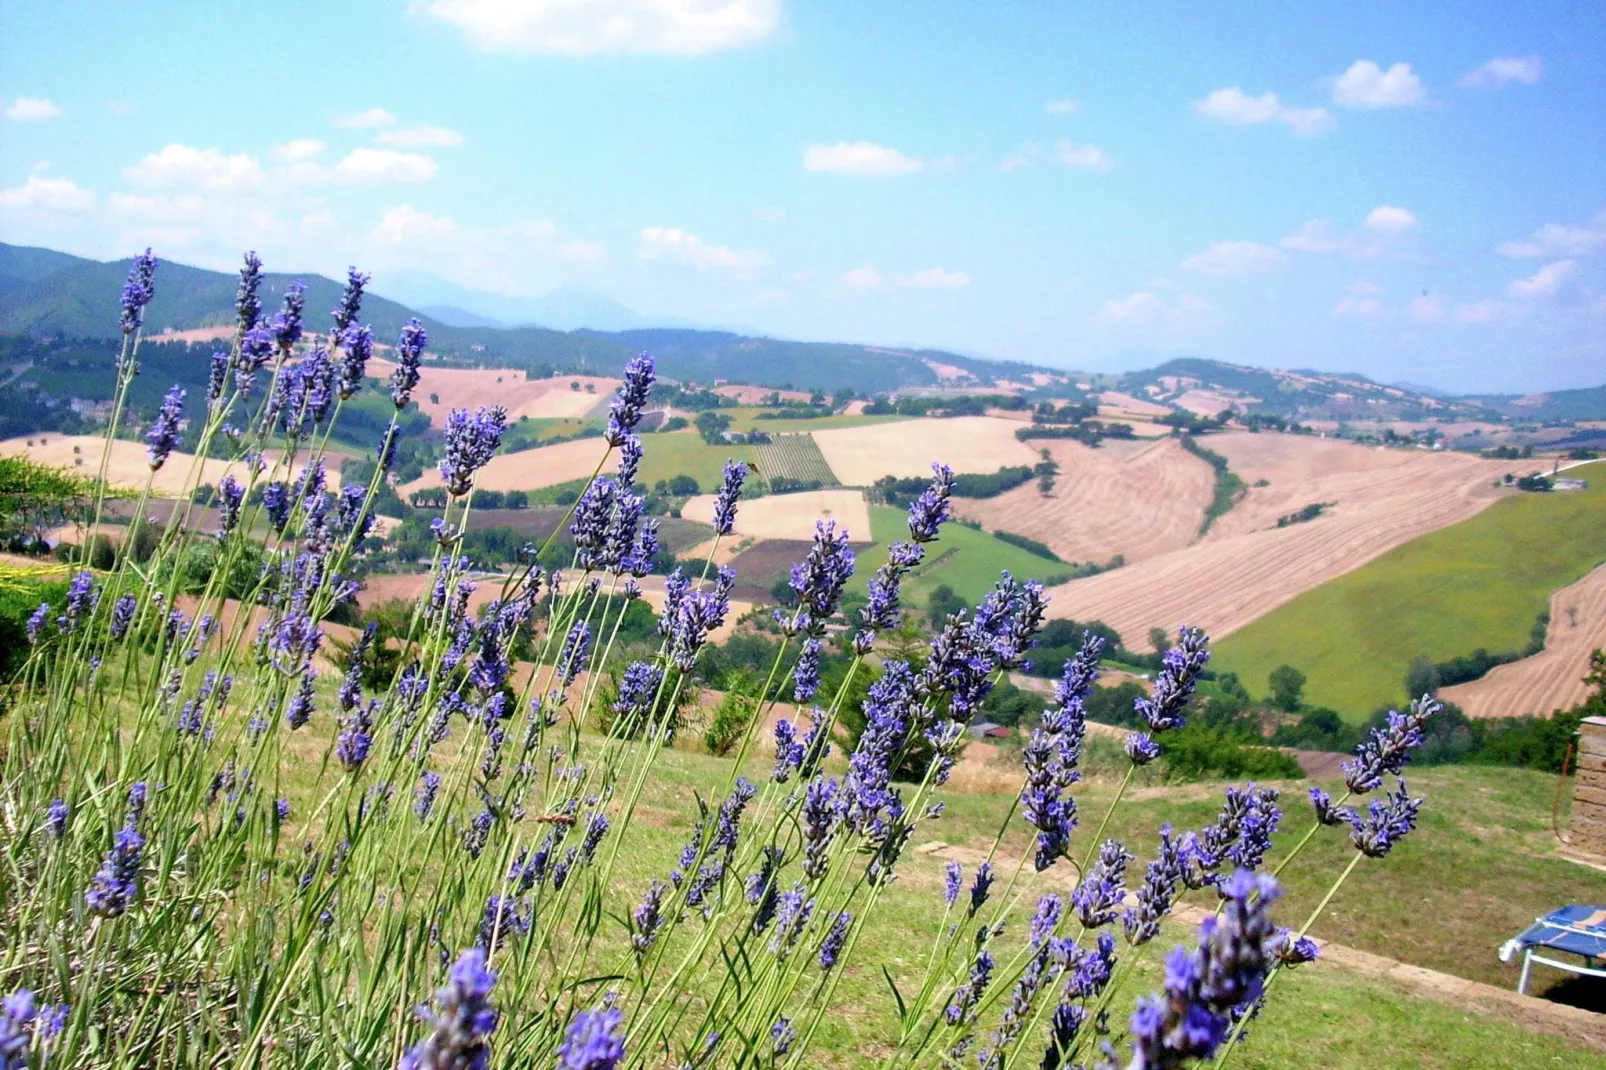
[(45, 293)]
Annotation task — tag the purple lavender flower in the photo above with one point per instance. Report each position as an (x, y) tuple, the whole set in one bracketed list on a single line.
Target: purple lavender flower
[(647, 918), (788, 751), (818, 579), (471, 442), (247, 305), (572, 656), (820, 819), (122, 615), (286, 324), (1241, 834), (138, 291), (806, 676), (883, 610), (593, 1041), (792, 915), (1291, 950), (1386, 822), (56, 818), (729, 492), (1049, 910), (1140, 748), (356, 736), (230, 498), (953, 876), (1389, 748), (217, 377), (625, 411), (1207, 989), (409, 351), (116, 884), (961, 1005), (18, 1022), (356, 345), (82, 597), (163, 436), (345, 313), (1326, 812), (979, 887), (38, 621), (831, 946), (277, 504), (1173, 686), (317, 377), (1097, 897), (1062, 1029), (638, 689), (696, 614), (928, 512), (281, 809), (424, 796), (298, 711), (462, 1022), (256, 349), (1162, 880), (503, 917), (783, 1036)]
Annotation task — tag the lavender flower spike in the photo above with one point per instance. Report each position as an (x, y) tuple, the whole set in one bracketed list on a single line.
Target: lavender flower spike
[(138, 291), (471, 442), (931, 509), (463, 1020), (1174, 685), (18, 1021), (409, 351), (286, 324), (356, 345), (1389, 748), (164, 434), (247, 305), (729, 491), (345, 313), (594, 1041), (625, 412), (1385, 823)]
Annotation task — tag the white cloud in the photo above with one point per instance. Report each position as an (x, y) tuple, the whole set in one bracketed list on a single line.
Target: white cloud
[(1483, 311), (1231, 258), (1426, 309), (368, 119), (1081, 157), (588, 252), (675, 244), (1544, 282), (933, 278), (863, 158), (207, 169), (1388, 219), (768, 215), (1503, 70), (406, 225), (1366, 85), (1383, 229), (372, 167), (1356, 306), (32, 109), (1561, 239), (58, 194), (585, 27), (1237, 108), (419, 137), (1060, 107), (1145, 308), (298, 150)]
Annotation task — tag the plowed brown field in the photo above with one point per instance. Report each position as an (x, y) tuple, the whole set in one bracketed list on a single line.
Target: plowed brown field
[(1552, 679), (1245, 568), (468, 388), (1140, 500), (861, 455)]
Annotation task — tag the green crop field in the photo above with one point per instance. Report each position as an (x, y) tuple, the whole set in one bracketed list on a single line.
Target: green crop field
[(1479, 583), (533, 431), (965, 559), (795, 457), (684, 453)]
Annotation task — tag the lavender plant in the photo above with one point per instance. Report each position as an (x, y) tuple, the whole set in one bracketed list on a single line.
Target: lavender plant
[(249, 863)]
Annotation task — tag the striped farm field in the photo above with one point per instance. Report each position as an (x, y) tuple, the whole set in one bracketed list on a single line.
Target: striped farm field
[(1479, 583), (861, 455), (1552, 679), (1229, 580), (666, 456), (794, 457), (1138, 499), (442, 389)]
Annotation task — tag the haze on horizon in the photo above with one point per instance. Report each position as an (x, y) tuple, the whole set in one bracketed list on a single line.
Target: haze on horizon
[(1414, 192)]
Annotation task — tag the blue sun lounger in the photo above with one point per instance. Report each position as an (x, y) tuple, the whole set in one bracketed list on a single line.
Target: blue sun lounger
[(1578, 930)]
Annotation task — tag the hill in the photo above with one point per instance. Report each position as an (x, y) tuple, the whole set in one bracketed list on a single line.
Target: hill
[(1477, 584)]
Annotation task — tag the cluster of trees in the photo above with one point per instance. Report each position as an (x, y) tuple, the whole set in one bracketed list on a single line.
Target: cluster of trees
[(1256, 422), (1046, 412), (1310, 512), (957, 405), (1088, 432), (1189, 423), (1509, 453), (900, 492), (1229, 487)]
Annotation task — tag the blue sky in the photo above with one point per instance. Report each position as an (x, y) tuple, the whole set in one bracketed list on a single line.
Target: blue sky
[(1413, 191)]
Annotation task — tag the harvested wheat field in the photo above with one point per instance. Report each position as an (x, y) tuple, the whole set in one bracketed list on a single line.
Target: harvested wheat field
[(467, 388), (1125, 404), (528, 469), (861, 455), (789, 516), (1302, 470), (1235, 576), (756, 395), (1552, 679), (1209, 402), (130, 463), (1139, 502)]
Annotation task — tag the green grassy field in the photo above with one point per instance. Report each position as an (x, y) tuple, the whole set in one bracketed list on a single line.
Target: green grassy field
[(965, 559), (1476, 584), (536, 430), (685, 453)]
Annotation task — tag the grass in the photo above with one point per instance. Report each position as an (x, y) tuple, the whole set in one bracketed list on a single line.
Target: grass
[(685, 453), (1479, 583), (965, 559), (535, 431)]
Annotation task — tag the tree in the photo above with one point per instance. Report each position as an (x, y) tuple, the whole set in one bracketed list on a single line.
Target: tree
[(1159, 640), (683, 486), (1421, 677), (1287, 683), (941, 604)]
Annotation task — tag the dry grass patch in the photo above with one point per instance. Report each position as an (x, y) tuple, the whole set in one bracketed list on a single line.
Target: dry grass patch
[(789, 516), (861, 455)]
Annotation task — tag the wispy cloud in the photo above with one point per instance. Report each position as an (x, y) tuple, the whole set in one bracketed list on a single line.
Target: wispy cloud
[(55, 194), (1233, 258), (368, 119), (1237, 108), (932, 278), (585, 27), (1544, 282), (1366, 85), (862, 158), (32, 109), (1503, 70), (672, 243), (1561, 239)]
